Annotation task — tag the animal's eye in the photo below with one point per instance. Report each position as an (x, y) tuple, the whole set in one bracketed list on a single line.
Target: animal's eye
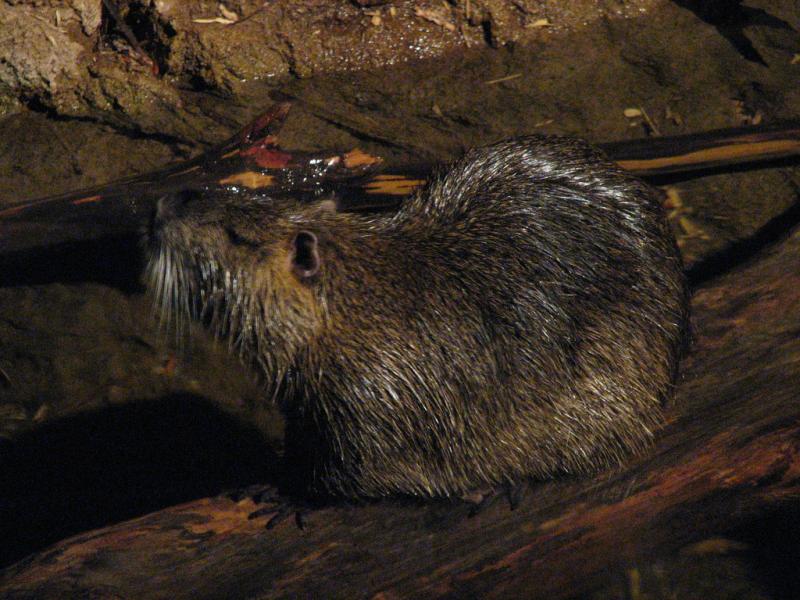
[(237, 239)]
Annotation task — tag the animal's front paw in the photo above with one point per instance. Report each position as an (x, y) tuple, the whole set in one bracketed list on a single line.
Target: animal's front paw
[(480, 499), (279, 506)]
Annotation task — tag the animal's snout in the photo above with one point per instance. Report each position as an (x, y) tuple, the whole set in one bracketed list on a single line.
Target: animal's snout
[(171, 207), (174, 206)]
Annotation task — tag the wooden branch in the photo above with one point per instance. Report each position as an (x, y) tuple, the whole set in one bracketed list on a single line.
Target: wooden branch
[(252, 160), (722, 148), (730, 452)]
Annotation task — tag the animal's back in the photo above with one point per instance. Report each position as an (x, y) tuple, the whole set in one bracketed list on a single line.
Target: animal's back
[(523, 315)]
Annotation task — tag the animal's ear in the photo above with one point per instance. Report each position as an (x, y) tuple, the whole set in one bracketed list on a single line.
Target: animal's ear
[(305, 255)]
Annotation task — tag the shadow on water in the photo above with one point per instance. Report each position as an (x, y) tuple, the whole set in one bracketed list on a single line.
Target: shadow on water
[(98, 468)]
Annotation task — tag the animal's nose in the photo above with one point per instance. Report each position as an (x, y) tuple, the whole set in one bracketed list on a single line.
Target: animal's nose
[(164, 210), (174, 206), (170, 207)]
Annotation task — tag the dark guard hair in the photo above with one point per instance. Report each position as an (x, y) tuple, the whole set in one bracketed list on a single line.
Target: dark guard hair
[(522, 315)]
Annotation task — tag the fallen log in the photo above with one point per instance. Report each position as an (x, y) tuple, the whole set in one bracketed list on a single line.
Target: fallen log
[(729, 455), (253, 160)]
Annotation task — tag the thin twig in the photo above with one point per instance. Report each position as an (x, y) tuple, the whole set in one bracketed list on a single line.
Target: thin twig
[(261, 9), (650, 123), (502, 79)]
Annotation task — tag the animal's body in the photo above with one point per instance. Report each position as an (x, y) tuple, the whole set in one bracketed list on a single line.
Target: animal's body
[(521, 316)]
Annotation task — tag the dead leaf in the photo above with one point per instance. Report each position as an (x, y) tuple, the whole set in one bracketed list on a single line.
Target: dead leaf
[(673, 199), (249, 179), (358, 158), (673, 116), (439, 16), (745, 115), (220, 20), (227, 13)]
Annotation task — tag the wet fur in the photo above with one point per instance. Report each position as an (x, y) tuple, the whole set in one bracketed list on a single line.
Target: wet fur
[(523, 315)]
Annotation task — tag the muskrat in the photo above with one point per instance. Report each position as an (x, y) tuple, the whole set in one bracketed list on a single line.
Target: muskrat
[(521, 316)]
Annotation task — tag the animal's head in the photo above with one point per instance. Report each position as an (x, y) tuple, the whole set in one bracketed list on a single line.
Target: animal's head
[(250, 267)]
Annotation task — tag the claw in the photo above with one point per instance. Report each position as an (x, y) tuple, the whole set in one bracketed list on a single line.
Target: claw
[(282, 513), (279, 507), (482, 499)]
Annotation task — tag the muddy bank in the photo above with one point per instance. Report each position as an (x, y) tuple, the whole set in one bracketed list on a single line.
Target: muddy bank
[(139, 64), (84, 343)]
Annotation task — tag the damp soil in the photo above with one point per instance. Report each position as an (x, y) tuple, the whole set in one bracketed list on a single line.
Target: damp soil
[(105, 416)]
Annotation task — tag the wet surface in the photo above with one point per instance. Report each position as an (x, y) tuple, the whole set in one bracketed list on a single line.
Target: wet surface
[(85, 371)]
